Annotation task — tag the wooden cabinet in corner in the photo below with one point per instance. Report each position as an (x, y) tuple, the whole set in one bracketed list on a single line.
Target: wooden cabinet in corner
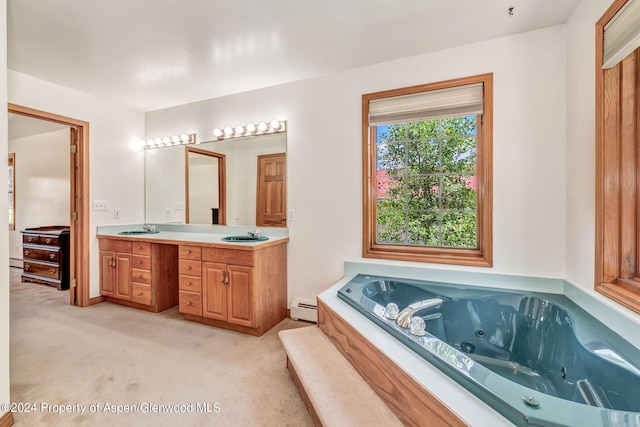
[(141, 275)]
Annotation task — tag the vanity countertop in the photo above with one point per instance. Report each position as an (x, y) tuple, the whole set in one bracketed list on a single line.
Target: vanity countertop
[(190, 237)]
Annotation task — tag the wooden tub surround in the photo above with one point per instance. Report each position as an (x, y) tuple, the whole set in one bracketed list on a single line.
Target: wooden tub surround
[(227, 285), (409, 401)]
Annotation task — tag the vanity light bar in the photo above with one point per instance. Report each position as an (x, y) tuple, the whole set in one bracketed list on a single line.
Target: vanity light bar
[(262, 128), (168, 141)]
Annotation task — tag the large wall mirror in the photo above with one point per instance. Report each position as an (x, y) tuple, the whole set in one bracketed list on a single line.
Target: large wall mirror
[(238, 181)]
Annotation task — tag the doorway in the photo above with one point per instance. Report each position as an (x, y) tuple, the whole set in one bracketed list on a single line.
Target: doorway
[(79, 201), (205, 187)]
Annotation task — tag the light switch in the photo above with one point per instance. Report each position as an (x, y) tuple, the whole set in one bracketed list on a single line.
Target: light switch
[(291, 216), (116, 213)]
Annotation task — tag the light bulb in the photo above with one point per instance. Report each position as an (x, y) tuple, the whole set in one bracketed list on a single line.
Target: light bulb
[(185, 138), (166, 140), (175, 139), (275, 124), (239, 130), (228, 131), (251, 128), (262, 127), (158, 141), (150, 142), (142, 143), (217, 133)]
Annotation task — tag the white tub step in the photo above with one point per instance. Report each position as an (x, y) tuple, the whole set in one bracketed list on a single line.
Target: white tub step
[(334, 392)]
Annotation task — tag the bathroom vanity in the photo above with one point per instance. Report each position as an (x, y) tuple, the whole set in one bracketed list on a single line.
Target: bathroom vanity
[(241, 286)]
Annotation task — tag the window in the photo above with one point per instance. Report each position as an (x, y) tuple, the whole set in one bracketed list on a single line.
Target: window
[(427, 170), (617, 264)]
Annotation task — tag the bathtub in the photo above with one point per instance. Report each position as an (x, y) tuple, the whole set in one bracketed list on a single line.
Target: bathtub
[(535, 358)]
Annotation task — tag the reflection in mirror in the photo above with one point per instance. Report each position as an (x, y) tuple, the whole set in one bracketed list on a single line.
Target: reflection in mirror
[(205, 204), (166, 192)]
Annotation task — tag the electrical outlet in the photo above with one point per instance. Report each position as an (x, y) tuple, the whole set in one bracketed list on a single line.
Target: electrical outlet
[(100, 205), (292, 215), (116, 213), (167, 212)]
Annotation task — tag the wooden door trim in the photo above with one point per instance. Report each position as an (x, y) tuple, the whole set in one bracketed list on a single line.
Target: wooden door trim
[(79, 255), (222, 183)]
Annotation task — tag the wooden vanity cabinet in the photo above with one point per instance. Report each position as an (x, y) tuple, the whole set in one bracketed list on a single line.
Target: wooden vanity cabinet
[(242, 289), (141, 275)]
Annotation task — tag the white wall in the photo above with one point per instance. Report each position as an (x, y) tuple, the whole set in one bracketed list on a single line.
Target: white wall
[(324, 151), (4, 233), (581, 141), (116, 170), (42, 180)]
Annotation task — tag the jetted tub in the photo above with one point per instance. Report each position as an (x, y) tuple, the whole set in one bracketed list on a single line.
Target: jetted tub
[(536, 358)]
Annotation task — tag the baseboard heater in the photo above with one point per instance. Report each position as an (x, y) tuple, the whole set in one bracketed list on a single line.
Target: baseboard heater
[(304, 309)]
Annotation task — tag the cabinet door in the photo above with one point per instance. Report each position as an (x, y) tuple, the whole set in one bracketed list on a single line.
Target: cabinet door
[(214, 291), (240, 303), (107, 279), (123, 276)]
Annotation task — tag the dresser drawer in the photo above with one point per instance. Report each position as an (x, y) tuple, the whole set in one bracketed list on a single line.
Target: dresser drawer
[(189, 268), (141, 294), (190, 252), (190, 303), (47, 270), (31, 238), (49, 240), (122, 246), (38, 253), (140, 276), (189, 283), (141, 248), (141, 261)]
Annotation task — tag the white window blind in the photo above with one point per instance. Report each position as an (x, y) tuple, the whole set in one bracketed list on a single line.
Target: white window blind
[(433, 104), (622, 34)]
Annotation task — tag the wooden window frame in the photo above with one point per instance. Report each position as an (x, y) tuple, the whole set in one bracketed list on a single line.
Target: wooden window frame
[(617, 245), (482, 256)]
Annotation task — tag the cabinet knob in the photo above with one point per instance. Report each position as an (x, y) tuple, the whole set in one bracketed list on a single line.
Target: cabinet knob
[(52, 270), (139, 262), (52, 256), (188, 251), (27, 252), (188, 267), (188, 283), (139, 247), (47, 240), (188, 303), (26, 267), (139, 294)]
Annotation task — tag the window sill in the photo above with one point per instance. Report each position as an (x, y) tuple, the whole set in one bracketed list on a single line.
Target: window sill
[(624, 291), (467, 257)]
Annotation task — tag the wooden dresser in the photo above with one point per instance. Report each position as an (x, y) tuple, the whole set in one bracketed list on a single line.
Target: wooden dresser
[(45, 252)]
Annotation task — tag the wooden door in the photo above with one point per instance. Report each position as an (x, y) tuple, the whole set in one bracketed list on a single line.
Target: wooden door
[(214, 291), (271, 204), (241, 306), (107, 278), (123, 276)]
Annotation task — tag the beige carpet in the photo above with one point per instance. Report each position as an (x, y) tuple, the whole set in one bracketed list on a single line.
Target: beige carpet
[(107, 355)]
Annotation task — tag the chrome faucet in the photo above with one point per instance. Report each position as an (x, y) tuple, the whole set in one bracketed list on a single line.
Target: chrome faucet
[(254, 232), (407, 313), (149, 227)]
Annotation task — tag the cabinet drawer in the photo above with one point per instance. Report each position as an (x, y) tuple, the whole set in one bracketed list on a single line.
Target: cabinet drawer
[(122, 246), (140, 276), (189, 268), (190, 303), (141, 248), (51, 255), (141, 294), (189, 283), (141, 261), (31, 238), (49, 240), (190, 252), (228, 256), (47, 270)]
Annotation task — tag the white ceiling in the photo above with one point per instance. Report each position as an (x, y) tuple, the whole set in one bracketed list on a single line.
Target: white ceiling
[(22, 126), (151, 54)]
